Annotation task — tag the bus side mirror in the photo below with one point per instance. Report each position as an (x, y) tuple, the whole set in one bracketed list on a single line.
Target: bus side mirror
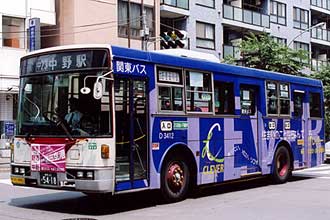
[(98, 90)]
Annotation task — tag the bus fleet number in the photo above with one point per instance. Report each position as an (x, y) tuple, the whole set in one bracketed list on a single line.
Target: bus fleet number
[(166, 135)]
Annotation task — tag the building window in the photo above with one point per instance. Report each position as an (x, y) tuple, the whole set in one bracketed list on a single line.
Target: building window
[(278, 13), (205, 35), (170, 89), (199, 92), (184, 4), (13, 32), (278, 98), (301, 46), (315, 105), (279, 40), (206, 3), (130, 17), (224, 98), (300, 18)]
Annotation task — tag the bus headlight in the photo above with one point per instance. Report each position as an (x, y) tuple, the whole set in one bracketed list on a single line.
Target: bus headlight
[(89, 174), (105, 151), (22, 171), (16, 170), (80, 174)]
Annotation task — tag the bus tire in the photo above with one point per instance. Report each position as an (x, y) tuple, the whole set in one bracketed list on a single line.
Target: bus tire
[(282, 169), (175, 179)]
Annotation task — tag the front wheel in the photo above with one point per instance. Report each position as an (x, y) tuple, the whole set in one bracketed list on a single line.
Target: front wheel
[(282, 169), (175, 179)]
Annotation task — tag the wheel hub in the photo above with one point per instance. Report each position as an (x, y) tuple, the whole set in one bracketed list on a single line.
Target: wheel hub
[(175, 177), (282, 165)]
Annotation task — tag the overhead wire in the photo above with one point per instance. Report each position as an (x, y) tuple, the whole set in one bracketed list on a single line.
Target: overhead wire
[(79, 26)]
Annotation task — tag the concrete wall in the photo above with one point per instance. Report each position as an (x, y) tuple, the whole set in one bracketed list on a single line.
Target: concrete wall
[(207, 15)]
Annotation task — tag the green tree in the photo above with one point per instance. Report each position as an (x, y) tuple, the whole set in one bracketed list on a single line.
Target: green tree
[(262, 52), (324, 75)]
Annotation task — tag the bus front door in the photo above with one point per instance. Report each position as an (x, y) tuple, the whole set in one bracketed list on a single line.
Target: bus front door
[(131, 133)]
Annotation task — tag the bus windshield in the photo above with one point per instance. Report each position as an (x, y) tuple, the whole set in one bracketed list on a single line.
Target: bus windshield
[(52, 105)]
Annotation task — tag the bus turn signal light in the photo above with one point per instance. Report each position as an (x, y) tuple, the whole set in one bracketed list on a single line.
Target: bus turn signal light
[(105, 151)]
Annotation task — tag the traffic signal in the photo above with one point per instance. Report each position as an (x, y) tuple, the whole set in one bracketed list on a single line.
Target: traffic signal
[(174, 39)]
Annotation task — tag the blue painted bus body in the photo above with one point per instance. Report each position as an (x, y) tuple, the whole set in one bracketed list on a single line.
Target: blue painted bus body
[(226, 147)]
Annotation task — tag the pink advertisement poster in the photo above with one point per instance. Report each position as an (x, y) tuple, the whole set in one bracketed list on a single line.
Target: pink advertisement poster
[(48, 158)]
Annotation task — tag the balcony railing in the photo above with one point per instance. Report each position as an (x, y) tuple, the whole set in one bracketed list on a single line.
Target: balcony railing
[(184, 4), (321, 3), (245, 16), (317, 65), (321, 34), (232, 51)]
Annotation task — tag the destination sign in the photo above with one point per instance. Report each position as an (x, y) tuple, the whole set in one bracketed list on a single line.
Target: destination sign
[(66, 61)]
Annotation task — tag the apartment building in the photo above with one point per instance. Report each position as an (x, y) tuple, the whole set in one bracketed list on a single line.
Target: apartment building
[(116, 22), (14, 21), (217, 27)]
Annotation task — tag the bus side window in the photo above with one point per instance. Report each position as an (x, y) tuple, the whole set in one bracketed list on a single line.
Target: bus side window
[(272, 98), (247, 99), (170, 89), (298, 99), (199, 92), (224, 98), (314, 104)]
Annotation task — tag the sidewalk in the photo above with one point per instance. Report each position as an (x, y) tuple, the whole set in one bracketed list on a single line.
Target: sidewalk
[(4, 164)]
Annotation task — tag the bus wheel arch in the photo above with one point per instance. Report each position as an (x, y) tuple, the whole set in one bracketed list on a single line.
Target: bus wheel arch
[(282, 163), (178, 173)]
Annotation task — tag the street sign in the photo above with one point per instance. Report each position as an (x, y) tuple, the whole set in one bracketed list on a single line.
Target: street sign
[(9, 129), (34, 34)]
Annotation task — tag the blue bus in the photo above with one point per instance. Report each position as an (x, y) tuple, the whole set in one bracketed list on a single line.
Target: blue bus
[(105, 119)]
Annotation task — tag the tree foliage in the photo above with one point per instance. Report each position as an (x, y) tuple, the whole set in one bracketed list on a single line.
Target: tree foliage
[(324, 75), (262, 52)]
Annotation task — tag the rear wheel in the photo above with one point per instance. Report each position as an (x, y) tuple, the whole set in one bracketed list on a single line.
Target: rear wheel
[(282, 169), (175, 179)]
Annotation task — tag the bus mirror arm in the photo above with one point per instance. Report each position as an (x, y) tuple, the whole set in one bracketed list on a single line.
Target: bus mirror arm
[(85, 90)]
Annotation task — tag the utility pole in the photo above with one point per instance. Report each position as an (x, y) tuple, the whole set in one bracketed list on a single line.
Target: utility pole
[(145, 30)]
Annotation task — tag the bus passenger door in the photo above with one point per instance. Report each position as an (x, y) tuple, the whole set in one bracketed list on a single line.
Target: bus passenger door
[(131, 133), (247, 156), (299, 125)]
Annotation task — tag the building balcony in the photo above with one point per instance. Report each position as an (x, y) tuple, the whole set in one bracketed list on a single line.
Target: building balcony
[(320, 36), (321, 6), (245, 18), (174, 8), (231, 51), (317, 65)]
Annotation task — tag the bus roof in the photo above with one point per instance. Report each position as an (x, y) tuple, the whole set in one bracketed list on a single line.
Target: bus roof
[(193, 63), (187, 62)]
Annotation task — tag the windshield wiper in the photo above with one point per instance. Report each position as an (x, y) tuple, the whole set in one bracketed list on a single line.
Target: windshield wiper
[(35, 105)]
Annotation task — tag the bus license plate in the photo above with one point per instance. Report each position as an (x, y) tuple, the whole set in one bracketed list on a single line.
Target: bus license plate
[(48, 179)]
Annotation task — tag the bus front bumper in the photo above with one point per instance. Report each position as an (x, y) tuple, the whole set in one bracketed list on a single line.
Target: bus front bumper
[(101, 182)]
